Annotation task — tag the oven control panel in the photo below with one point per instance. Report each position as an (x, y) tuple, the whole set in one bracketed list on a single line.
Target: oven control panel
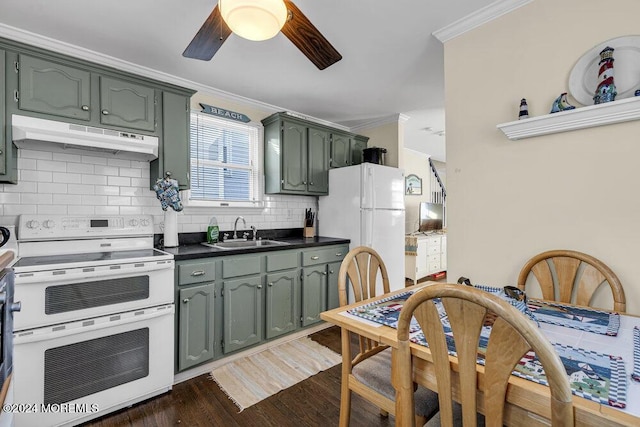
[(45, 227)]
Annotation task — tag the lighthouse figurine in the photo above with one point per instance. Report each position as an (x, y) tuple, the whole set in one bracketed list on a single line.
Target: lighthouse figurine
[(524, 109), (606, 91)]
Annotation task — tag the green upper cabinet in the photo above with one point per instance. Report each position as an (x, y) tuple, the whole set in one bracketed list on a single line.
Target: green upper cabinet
[(358, 144), (126, 104), (294, 157), (174, 157), (54, 89), (298, 154), (340, 150), (318, 161)]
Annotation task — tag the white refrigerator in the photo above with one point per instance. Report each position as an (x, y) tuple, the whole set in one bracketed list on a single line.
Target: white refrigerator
[(366, 204)]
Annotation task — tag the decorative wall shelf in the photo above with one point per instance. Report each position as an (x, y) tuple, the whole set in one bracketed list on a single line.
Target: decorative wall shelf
[(623, 110)]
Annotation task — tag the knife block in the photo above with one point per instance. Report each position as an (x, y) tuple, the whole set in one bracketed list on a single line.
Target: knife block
[(309, 232)]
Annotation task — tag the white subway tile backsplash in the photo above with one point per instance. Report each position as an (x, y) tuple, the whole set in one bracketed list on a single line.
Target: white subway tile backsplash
[(51, 165), (119, 181), (68, 178), (94, 179), (77, 184)]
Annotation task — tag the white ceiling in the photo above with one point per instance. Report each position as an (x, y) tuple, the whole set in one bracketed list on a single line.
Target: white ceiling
[(392, 64)]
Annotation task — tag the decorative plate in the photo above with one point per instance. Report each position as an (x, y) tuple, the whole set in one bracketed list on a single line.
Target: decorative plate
[(583, 79)]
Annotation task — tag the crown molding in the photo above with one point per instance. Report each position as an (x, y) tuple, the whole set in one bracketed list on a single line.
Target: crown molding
[(393, 118), (79, 52), (478, 18)]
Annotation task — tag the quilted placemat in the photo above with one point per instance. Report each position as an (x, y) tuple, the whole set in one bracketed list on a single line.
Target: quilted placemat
[(636, 354), (582, 318), (520, 305), (594, 376), (385, 311)]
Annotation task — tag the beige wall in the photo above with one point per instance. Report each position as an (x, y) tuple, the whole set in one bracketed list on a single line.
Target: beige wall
[(416, 163), (389, 136), (509, 200)]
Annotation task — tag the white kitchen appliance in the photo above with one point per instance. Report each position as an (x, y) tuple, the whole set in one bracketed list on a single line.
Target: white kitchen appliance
[(366, 205), (96, 332)]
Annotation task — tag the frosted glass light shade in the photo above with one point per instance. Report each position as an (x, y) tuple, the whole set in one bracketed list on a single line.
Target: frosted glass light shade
[(254, 19)]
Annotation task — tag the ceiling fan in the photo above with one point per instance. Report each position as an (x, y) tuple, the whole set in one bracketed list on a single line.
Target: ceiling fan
[(226, 15)]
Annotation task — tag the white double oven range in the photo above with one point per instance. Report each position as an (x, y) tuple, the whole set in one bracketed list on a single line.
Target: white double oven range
[(95, 333)]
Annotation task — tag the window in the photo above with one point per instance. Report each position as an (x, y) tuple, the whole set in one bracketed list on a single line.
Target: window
[(224, 162)]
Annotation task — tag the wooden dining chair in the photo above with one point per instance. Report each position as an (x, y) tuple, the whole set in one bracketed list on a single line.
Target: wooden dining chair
[(368, 373), (574, 278), (512, 336)]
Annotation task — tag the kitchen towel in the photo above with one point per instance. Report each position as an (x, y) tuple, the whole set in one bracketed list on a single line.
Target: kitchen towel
[(251, 379)]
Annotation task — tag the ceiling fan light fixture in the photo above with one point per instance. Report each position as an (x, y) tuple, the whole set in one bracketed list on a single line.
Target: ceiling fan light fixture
[(254, 19)]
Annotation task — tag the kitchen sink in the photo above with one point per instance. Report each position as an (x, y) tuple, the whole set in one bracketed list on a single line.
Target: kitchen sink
[(245, 244)]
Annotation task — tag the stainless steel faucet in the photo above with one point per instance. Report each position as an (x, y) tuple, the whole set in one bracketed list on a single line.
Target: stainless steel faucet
[(235, 226)]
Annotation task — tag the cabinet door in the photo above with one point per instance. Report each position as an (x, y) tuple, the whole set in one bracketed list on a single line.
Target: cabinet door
[(175, 138), (50, 88), (3, 139), (294, 157), (127, 104), (421, 259), (340, 150), (314, 293), (243, 316), (333, 298), (196, 335), (318, 161), (282, 303), (357, 147)]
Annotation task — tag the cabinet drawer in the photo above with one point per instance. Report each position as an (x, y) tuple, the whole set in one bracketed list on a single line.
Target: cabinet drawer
[(282, 261), (433, 267), (434, 241), (196, 272), (433, 250), (324, 255), (433, 258), (240, 266)]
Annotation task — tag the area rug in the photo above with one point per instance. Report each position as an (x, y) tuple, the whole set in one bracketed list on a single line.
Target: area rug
[(251, 379)]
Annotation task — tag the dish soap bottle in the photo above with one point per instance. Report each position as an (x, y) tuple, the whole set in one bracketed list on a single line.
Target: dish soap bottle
[(213, 231)]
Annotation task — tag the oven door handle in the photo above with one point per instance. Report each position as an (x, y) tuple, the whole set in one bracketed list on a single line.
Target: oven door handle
[(90, 325), (105, 271)]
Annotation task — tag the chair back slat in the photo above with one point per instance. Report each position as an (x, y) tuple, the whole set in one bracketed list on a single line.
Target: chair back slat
[(576, 279), (566, 271), (512, 335)]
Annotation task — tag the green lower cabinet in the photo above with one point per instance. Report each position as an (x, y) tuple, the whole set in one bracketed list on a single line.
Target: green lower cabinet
[(333, 298), (196, 331), (314, 293), (282, 298), (243, 313)]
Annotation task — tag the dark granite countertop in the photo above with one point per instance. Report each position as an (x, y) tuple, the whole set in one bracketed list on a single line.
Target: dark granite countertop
[(190, 247)]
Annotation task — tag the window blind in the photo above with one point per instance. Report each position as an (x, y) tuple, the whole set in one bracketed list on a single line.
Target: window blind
[(224, 159)]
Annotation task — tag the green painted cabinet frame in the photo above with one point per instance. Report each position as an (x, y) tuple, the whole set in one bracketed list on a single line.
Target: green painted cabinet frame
[(282, 302), (298, 154), (196, 325), (243, 313), (127, 104)]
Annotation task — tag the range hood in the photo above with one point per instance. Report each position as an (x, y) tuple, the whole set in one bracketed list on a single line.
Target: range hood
[(34, 133)]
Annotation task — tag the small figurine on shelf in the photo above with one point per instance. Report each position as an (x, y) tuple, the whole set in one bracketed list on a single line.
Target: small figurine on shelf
[(606, 91), (561, 104), (524, 110)]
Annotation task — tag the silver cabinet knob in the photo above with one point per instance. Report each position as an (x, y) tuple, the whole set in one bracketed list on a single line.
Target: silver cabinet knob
[(85, 108), (0, 152), (270, 284), (339, 254), (259, 286), (105, 112), (16, 306), (186, 300), (324, 273), (330, 271), (314, 257), (304, 182), (198, 273)]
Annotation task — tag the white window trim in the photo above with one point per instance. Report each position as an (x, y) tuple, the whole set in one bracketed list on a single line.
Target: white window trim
[(225, 204)]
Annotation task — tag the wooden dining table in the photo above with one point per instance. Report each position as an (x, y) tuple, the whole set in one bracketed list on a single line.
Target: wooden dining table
[(527, 403)]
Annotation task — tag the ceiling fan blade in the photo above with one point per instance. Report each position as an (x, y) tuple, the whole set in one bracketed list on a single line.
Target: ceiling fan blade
[(308, 39), (209, 38)]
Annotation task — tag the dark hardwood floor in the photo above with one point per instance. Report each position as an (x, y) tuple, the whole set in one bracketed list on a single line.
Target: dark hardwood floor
[(200, 402)]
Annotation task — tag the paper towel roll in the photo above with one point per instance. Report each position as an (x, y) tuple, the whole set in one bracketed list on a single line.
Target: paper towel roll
[(170, 228)]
